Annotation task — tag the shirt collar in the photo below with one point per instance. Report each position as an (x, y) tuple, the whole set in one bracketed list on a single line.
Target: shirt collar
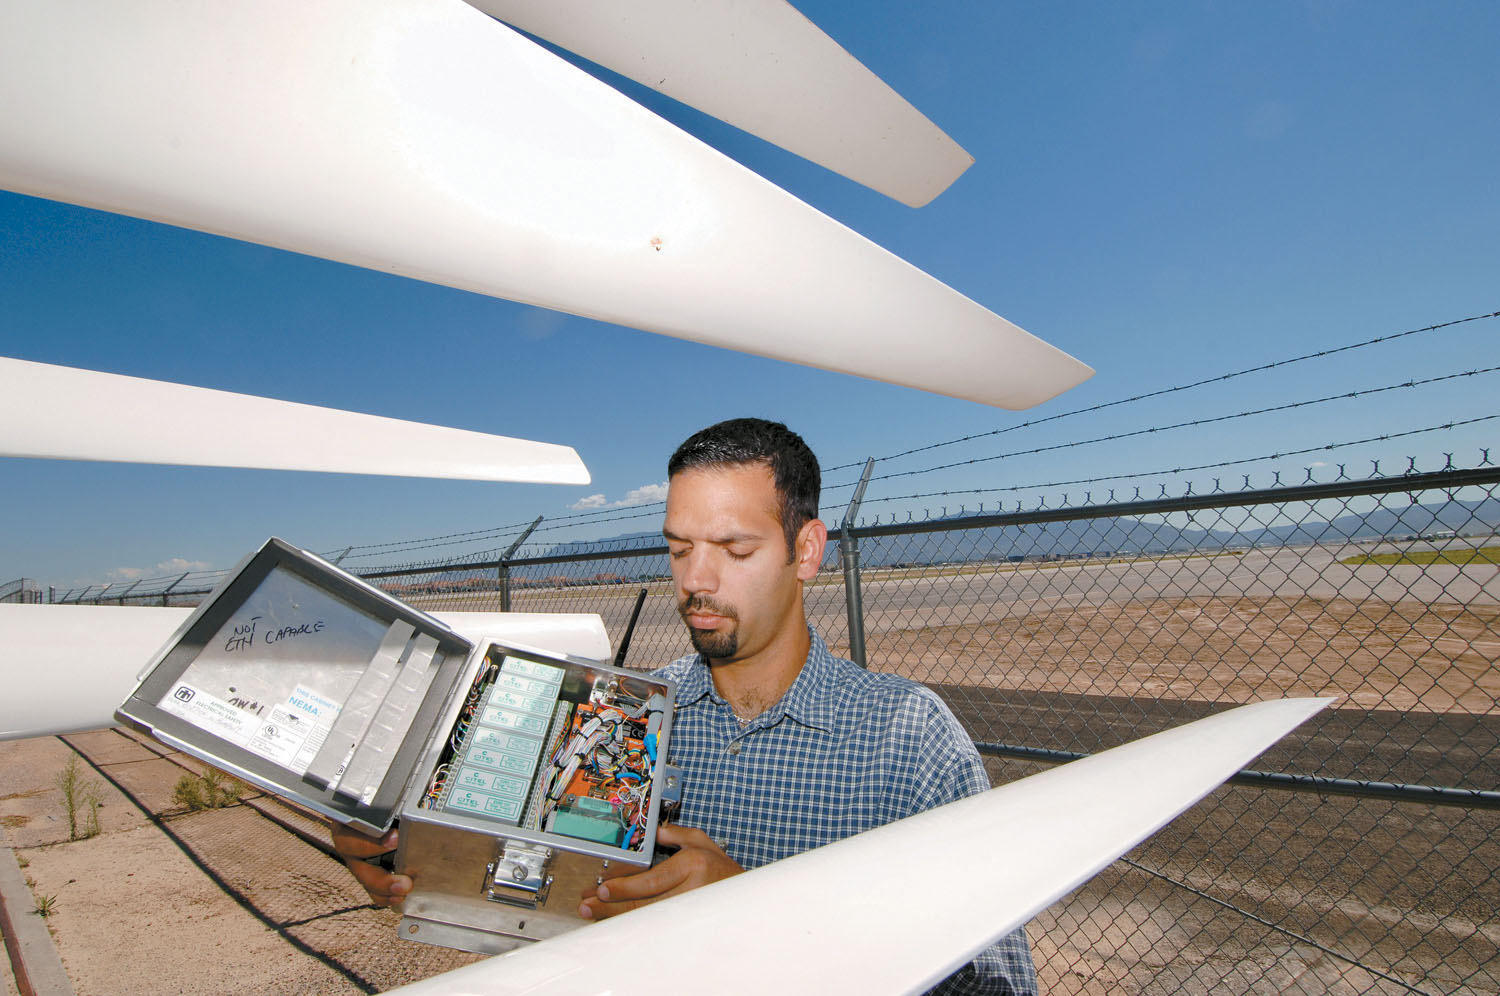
[(806, 701), (695, 682)]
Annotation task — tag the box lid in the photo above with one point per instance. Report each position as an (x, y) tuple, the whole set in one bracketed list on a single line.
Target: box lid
[(304, 680)]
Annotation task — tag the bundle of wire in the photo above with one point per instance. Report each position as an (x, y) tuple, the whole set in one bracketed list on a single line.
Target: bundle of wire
[(605, 760), (460, 732)]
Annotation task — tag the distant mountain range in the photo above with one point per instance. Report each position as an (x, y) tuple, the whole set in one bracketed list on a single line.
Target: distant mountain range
[(1077, 538)]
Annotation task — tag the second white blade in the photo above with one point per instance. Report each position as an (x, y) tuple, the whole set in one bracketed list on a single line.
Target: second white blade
[(765, 68), (102, 416)]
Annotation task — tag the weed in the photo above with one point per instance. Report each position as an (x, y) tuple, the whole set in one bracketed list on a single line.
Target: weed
[(213, 790), (188, 792), (46, 905), (222, 789), (82, 798)]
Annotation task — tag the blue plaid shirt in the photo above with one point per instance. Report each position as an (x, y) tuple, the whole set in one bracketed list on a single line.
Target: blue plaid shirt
[(798, 775)]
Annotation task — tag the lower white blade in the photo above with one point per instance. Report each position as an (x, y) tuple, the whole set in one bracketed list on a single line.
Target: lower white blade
[(68, 667), (764, 68), (898, 908), (424, 138), (133, 420)]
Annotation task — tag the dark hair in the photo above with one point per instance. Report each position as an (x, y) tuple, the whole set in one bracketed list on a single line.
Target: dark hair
[(740, 441)]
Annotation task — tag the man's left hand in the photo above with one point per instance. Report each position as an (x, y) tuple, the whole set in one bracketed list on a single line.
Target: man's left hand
[(697, 862)]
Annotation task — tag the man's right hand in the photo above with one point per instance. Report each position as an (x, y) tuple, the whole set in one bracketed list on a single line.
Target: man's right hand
[(356, 849)]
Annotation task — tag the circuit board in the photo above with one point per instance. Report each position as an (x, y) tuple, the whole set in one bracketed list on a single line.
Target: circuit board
[(525, 752)]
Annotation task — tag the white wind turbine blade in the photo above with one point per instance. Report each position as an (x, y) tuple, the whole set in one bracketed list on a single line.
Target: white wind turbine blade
[(68, 667), (766, 69), (896, 909), (133, 420), (424, 138)]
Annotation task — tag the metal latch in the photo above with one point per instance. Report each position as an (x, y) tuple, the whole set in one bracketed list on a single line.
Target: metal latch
[(518, 875), (671, 789)]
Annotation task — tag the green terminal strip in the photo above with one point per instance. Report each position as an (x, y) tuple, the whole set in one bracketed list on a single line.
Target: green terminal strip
[(504, 742)]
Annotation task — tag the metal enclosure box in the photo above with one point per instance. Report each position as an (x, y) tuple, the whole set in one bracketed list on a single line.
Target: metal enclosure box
[(518, 776)]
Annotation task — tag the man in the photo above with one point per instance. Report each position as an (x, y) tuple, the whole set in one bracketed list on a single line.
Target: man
[(783, 747)]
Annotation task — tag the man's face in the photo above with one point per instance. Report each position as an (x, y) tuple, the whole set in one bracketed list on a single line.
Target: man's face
[(737, 588)]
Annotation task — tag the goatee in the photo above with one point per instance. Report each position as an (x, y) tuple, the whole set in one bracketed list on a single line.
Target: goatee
[(714, 645), (710, 643)]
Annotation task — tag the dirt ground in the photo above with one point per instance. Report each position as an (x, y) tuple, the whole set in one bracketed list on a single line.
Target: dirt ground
[(1403, 656)]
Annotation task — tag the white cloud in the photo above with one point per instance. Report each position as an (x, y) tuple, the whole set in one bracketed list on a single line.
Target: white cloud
[(646, 494), (643, 495), (176, 565)]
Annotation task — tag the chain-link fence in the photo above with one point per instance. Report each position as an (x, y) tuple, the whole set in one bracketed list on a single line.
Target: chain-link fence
[(22, 591), (1074, 630), (1360, 856)]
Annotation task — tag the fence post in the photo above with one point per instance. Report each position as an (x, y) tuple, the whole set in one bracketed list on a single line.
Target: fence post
[(120, 598), (849, 554), (504, 569), (168, 589), (340, 558)]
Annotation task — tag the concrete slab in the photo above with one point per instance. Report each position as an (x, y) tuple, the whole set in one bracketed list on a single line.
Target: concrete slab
[(126, 894), (106, 747), (287, 879), (366, 941)]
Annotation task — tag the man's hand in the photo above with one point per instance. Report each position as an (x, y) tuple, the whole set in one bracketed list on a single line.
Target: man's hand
[(697, 862), (355, 848)]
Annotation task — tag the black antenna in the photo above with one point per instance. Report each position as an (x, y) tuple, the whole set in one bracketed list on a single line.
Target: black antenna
[(629, 629)]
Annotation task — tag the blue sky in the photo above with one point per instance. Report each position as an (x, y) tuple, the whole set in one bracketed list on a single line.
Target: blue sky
[(1168, 191)]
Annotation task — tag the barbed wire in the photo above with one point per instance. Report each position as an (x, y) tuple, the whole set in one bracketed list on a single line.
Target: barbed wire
[(652, 510), (397, 546), (196, 581), (1327, 447), (1114, 437), (455, 539), (1171, 390), (646, 510)]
